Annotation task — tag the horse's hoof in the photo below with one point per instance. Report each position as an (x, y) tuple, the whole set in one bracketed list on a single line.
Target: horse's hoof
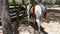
[(41, 32)]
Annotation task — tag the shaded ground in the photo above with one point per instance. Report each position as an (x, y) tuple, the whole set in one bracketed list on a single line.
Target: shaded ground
[(1, 31), (51, 25)]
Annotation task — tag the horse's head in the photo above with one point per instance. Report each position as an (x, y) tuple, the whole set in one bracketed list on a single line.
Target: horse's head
[(23, 7)]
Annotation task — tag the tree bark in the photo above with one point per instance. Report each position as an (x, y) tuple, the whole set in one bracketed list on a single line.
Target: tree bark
[(6, 20)]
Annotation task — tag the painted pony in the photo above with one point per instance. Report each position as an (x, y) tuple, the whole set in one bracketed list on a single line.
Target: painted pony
[(37, 11)]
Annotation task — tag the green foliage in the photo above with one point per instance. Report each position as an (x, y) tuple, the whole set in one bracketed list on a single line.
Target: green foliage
[(10, 2), (50, 1), (28, 1), (18, 2), (58, 2)]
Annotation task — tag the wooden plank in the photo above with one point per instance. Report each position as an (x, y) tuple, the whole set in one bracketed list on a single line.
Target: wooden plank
[(15, 13), (12, 13), (15, 16), (20, 14)]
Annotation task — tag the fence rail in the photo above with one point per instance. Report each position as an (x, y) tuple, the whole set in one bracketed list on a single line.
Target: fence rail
[(13, 14)]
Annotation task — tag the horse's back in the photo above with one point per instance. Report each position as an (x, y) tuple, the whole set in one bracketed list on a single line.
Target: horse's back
[(42, 7), (38, 11)]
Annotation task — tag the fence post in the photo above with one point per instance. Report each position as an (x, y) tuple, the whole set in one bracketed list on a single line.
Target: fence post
[(17, 19)]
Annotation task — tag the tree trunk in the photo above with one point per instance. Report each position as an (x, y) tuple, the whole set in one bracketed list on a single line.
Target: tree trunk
[(6, 21), (0, 7)]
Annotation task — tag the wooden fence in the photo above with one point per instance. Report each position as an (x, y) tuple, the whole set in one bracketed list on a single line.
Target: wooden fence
[(13, 15), (22, 14)]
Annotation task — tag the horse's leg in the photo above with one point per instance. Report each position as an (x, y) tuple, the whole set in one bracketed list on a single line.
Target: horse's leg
[(38, 20), (28, 14), (38, 23), (38, 14)]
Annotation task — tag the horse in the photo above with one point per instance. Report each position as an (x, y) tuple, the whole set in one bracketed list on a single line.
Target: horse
[(37, 12), (22, 7)]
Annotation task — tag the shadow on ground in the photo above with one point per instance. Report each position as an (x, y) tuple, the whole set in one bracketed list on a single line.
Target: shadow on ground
[(35, 26)]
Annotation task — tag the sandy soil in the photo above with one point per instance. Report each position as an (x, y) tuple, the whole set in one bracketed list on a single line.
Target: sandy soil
[(51, 25), (1, 31)]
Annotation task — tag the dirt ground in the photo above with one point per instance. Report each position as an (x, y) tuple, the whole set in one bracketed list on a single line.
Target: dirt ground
[(1, 31), (51, 25)]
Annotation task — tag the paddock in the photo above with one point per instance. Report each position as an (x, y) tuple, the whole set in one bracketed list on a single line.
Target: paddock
[(51, 24)]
